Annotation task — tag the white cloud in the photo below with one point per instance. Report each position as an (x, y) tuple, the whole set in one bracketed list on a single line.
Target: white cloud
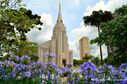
[(75, 2), (111, 5), (91, 32), (45, 33)]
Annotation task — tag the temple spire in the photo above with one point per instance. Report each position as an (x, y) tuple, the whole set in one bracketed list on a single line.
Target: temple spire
[(59, 19)]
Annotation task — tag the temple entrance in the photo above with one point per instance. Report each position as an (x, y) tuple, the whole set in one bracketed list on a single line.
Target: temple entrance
[(64, 62)]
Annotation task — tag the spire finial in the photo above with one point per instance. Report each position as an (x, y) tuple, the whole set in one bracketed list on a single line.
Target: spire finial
[(59, 5), (59, 20)]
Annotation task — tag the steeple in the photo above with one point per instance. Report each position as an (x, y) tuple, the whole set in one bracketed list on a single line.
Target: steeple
[(59, 19), (59, 26)]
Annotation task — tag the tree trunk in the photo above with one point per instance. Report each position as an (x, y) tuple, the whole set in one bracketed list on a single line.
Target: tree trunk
[(108, 50), (100, 47)]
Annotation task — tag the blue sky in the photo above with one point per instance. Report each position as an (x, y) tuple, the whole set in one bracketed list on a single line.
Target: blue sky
[(72, 13)]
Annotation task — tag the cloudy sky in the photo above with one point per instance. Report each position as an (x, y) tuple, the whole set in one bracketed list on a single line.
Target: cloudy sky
[(72, 13)]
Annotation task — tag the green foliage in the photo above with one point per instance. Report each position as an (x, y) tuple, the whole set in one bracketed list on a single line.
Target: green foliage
[(15, 22), (95, 19), (121, 11), (25, 81), (86, 58), (77, 62), (93, 59), (96, 60), (113, 33)]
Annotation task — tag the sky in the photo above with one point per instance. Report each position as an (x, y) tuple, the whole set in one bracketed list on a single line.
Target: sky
[(73, 12)]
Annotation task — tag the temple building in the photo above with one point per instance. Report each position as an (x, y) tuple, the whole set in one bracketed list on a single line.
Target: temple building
[(58, 45), (84, 47)]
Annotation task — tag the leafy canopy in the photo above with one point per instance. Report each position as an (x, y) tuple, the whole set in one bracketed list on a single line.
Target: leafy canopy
[(15, 22)]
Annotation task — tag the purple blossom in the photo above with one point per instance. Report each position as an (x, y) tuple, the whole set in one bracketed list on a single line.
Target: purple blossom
[(1, 64), (24, 57), (125, 80), (52, 64), (13, 74), (49, 76), (9, 69), (46, 54), (79, 71), (49, 54), (69, 65), (88, 65), (116, 74), (21, 67), (88, 69), (2, 72), (59, 71), (27, 74), (17, 58), (38, 68), (67, 71), (18, 70), (124, 65), (52, 54)]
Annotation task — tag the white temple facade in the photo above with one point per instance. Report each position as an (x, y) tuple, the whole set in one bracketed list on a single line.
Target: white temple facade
[(58, 45)]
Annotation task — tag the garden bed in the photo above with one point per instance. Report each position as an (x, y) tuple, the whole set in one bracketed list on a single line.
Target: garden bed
[(21, 70)]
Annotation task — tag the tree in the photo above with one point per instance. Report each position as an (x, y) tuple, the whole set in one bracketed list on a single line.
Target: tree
[(116, 31), (77, 63), (95, 60), (15, 22), (95, 19), (87, 58)]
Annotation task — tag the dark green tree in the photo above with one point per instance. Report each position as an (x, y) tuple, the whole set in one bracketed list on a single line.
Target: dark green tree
[(95, 19), (87, 58), (96, 60), (113, 33)]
